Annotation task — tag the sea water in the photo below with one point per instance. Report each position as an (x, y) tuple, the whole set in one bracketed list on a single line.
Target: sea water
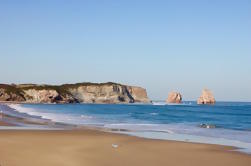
[(182, 122)]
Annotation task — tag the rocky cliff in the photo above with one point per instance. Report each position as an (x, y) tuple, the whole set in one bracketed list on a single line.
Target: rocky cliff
[(73, 93)]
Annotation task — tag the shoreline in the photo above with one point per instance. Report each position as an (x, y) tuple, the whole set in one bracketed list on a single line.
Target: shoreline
[(39, 122), (70, 145), (11, 118)]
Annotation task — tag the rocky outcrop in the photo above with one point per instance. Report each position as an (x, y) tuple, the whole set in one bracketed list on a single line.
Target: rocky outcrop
[(10, 93), (206, 97), (109, 93), (74, 93), (207, 126), (47, 96), (138, 94), (174, 97), (112, 93)]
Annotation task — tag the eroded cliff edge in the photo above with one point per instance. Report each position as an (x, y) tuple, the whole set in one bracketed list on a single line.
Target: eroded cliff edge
[(73, 93)]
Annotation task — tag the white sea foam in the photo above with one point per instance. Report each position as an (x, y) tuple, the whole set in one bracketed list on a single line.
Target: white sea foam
[(86, 117), (164, 103), (139, 127), (33, 112), (154, 113), (184, 132), (19, 108), (241, 146), (56, 117), (159, 103)]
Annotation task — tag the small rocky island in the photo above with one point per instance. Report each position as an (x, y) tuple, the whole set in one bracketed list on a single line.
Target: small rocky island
[(174, 97), (206, 97), (73, 93)]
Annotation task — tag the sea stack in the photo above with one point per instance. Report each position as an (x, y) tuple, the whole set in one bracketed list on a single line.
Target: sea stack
[(206, 97), (174, 97)]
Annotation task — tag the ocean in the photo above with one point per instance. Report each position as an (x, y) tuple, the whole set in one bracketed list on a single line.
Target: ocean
[(230, 121)]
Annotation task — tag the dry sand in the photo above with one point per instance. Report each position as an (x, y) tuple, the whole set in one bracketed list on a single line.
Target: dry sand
[(94, 148)]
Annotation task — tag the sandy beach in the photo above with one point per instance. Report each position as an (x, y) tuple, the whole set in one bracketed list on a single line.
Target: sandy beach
[(67, 145), (125, 83), (94, 148)]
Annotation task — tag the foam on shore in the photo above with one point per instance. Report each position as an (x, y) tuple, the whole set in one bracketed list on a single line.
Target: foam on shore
[(240, 146)]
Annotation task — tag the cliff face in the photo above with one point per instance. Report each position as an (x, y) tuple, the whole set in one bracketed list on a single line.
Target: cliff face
[(73, 93), (47, 96), (138, 94), (102, 94), (10, 93)]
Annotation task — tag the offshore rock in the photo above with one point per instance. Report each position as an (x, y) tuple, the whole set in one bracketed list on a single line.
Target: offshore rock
[(207, 126), (206, 97), (174, 97)]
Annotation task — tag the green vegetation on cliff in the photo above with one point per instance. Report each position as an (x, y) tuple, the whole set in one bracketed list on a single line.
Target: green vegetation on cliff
[(11, 89), (66, 86), (60, 89)]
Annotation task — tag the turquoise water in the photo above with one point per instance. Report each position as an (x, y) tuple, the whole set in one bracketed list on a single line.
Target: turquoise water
[(232, 120)]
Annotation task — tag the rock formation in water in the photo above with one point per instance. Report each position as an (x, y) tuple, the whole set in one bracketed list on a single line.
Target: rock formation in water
[(207, 126), (206, 97), (73, 93), (174, 97)]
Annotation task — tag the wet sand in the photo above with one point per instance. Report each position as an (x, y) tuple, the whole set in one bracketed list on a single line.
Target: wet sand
[(94, 148), (5, 124)]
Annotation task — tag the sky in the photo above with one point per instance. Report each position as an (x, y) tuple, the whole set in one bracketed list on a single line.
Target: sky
[(162, 46)]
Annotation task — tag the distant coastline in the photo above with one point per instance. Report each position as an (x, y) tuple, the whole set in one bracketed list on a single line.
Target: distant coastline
[(73, 93)]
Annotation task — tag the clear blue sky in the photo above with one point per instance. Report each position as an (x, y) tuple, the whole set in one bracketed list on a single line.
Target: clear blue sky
[(160, 45)]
